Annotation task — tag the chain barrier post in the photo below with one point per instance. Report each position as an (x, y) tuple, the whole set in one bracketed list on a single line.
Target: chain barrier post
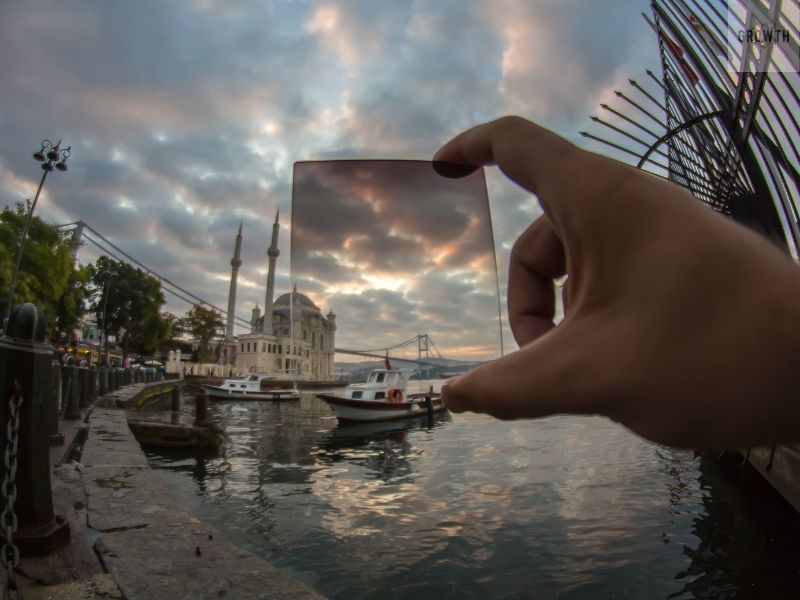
[(65, 383), (25, 366), (103, 380), (56, 384), (53, 403), (72, 411), (92, 384), (84, 385)]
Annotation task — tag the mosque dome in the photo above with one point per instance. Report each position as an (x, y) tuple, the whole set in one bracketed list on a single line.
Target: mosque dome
[(299, 298)]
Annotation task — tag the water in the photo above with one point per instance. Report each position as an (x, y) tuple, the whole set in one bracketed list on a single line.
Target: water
[(470, 507)]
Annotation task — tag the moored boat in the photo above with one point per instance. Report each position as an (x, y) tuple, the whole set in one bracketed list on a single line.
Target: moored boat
[(250, 387), (383, 396)]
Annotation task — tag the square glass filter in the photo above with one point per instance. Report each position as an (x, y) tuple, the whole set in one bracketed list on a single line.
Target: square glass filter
[(399, 256)]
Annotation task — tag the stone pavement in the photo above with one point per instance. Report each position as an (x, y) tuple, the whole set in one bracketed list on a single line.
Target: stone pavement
[(150, 547)]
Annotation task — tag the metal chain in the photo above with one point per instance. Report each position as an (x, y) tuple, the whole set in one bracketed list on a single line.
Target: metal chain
[(9, 554)]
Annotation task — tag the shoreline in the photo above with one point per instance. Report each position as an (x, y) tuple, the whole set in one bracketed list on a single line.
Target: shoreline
[(131, 537)]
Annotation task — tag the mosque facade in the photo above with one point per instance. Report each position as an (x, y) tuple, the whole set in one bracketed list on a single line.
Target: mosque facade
[(292, 338)]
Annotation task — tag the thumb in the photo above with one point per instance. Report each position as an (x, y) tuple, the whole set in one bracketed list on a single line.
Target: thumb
[(553, 374)]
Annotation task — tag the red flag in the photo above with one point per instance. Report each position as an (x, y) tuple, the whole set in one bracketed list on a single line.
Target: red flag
[(388, 364), (677, 53)]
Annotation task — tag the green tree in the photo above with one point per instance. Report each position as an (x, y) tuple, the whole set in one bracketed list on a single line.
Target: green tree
[(203, 324), (47, 276), (175, 329), (132, 300), (71, 306)]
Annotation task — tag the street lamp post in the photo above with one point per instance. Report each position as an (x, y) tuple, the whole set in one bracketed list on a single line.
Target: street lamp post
[(50, 156)]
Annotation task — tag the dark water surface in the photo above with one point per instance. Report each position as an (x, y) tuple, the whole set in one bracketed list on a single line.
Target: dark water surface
[(470, 507)]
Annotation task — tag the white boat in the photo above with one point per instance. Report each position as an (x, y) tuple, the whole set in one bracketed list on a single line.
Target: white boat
[(382, 397), (249, 387)]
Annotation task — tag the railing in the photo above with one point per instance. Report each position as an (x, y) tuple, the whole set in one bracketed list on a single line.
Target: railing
[(36, 392)]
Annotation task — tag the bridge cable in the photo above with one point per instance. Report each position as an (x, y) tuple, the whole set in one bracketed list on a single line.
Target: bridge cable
[(164, 281)]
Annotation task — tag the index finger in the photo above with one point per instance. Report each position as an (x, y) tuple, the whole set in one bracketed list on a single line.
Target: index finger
[(568, 181)]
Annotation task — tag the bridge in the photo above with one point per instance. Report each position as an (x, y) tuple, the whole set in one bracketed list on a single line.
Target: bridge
[(426, 351)]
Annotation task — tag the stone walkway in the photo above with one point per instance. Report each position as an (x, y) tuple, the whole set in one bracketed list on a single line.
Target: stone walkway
[(150, 546)]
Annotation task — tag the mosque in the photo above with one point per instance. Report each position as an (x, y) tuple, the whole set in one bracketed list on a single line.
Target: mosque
[(292, 338)]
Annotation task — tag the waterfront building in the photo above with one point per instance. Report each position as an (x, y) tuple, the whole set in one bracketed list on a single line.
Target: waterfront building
[(292, 338)]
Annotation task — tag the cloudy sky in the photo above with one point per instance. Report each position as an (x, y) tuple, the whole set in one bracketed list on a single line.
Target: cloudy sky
[(185, 117), (398, 250)]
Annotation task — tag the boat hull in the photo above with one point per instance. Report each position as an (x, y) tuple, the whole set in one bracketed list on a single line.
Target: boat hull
[(216, 392), (363, 411)]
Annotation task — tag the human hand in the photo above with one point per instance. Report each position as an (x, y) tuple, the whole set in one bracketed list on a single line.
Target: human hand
[(679, 323)]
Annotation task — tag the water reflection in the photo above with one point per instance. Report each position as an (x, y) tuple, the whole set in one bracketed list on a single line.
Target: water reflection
[(383, 449), (748, 538), (468, 507)]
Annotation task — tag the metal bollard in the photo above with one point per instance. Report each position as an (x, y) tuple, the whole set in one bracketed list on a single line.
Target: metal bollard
[(55, 381), (72, 410), (176, 406), (84, 376), (62, 406), (53, 403), (176, 399), (201, 408), (25, 364), (92, 385), (102, 380)]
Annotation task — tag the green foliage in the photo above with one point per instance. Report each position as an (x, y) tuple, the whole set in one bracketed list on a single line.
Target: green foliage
[(47, 274), (131, 300), (174, 329), (204, 324), (71, 305)]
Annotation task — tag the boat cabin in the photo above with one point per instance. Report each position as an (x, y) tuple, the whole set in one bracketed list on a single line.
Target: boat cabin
[(381, 385), (250, 382)]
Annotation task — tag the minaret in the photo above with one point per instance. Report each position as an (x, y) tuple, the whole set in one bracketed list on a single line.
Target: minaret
[(272, 253), (236, 262), (256, 315)]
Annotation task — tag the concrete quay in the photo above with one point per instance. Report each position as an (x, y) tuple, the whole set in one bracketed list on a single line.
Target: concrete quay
[(131, 537)]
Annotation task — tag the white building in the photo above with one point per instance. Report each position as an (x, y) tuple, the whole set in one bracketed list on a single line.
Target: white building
[(292, 338)]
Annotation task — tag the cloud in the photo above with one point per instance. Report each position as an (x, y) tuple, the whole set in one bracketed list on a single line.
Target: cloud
[(416, 245), (185, 118)]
